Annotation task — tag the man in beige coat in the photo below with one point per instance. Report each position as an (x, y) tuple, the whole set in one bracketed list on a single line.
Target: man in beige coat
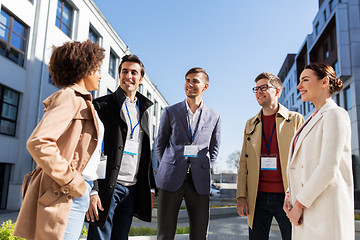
[(262, 178)]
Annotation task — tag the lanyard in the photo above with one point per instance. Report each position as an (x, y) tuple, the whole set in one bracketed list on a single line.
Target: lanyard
[(196, 128), (268, 143), (132, 128)]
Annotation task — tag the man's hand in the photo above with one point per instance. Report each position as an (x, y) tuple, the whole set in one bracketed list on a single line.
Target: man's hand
[(92, 212), (152, 200), (242, 207), (287, 204)]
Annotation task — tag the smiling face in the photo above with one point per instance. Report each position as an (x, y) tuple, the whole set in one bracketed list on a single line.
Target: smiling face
[(130, 77), (195, 85), (268, 97), (92, 81), (311, 87)]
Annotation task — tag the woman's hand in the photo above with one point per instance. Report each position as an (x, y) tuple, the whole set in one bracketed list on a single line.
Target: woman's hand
[(295, 214)]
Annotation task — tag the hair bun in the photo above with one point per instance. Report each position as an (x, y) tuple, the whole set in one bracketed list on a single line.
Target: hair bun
[(337, 85)]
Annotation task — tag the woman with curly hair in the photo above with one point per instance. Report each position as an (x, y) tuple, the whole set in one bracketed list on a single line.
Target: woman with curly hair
[(320, 202), (66, 145)]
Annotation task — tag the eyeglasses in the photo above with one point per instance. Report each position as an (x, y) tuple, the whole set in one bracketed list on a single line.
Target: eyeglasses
[(263, 88)]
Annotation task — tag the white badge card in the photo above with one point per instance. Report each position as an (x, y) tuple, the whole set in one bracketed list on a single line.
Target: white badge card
[(101, 171), (268, 162), (131, 147), (190, 151)]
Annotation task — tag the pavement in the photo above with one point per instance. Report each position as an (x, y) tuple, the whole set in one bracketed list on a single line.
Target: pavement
[(221, 227), (224, 223)]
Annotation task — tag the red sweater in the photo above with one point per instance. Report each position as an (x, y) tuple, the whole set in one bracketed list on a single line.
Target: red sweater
[(270, 180)]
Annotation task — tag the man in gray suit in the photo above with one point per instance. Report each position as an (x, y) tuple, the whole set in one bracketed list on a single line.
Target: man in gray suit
[(187, 146)]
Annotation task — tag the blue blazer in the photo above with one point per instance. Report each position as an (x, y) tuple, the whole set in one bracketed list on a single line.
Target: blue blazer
[(173, 135)]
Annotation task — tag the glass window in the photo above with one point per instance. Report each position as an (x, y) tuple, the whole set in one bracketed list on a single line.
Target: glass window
[(161, 110), (304, 107), (325, 50), (325, 15), (154, 132), (93, 35), (112, 64), (332, 5), (13, 38), (317, 29), (347, 98), (141, 87), (64, 17), (5, 169), (292, 99), (9, 103), (155, 107), (336, 67), (332, 40), (148, 94), (338, 99)]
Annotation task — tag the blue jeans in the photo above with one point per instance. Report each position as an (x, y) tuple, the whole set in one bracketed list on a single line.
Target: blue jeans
[(269, 205), (77, 214), (120, 216)]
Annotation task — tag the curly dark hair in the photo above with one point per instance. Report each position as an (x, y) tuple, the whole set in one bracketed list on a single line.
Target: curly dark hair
[(73, 61)]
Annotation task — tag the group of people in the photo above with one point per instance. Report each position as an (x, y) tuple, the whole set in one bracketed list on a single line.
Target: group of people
[(94, 160)]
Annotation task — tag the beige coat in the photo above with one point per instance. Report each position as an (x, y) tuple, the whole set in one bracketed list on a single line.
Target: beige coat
[(320, 176), (287, 122), (61, 145)]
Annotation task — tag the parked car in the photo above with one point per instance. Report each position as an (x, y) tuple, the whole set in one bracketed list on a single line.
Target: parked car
[(215, 191)]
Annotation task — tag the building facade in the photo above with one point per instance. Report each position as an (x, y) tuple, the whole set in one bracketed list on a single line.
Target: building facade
[(28, 30), (335, 40)]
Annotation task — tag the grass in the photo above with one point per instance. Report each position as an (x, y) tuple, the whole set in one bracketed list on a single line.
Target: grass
[(147, 231), (357, 216)]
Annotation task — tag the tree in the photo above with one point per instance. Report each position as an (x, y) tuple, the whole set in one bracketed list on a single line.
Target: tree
[(233, 160)]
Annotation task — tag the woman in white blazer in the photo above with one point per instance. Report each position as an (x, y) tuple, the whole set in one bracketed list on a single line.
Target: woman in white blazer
[(320, 202)]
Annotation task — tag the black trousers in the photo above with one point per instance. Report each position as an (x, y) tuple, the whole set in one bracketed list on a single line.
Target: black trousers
[(269, 205), (197, 208)]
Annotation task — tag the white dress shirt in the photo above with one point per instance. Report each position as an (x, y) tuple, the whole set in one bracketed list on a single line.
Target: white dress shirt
[(130, 163)]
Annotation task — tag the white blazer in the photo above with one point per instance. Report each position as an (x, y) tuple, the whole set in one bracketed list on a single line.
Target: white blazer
[(320, 176)]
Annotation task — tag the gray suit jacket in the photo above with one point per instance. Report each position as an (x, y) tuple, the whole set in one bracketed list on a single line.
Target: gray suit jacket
[(173, 135)]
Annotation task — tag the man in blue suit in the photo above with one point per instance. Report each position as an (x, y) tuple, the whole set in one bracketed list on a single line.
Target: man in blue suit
[(187, 146)]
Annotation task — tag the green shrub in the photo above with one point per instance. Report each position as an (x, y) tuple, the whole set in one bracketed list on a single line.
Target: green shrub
[(84, 232), (6, 231), (182, 230)]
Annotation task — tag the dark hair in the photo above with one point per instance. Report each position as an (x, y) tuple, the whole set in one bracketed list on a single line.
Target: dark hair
[(274, 80), (135, 59), (73, 61), (198, 70), (323, 70)]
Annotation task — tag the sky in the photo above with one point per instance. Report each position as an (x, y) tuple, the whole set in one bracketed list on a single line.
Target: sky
[(232, 40)]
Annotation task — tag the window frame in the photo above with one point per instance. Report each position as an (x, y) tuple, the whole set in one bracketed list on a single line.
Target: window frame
[(347, 98), (2, 102), (110, 72), (67, 5), (8, 43), (96, 33)]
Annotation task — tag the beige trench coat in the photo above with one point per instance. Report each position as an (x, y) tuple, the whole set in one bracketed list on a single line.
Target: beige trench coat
[(287, 122), (320, 176), (61, 145)]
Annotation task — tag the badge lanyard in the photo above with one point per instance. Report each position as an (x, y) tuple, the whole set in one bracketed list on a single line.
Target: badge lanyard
[(268, 143), (196, 128), (132, 128)]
